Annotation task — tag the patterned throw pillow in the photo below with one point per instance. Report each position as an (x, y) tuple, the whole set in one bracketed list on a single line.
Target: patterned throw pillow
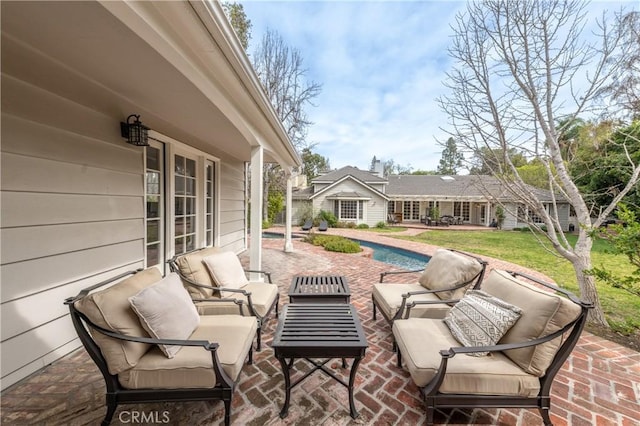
[(480, 319)]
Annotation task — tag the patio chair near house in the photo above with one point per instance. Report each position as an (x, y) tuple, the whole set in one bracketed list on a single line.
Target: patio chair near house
[(217, 282), (323, 226), (446, 277), (499, 347), (307, 225), (391, 219), (150, 344)]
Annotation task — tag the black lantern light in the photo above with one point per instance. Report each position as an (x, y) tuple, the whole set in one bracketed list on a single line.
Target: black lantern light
[(135, 132)]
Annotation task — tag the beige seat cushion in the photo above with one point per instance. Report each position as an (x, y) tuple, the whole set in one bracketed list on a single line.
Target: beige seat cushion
[(263, 295), (166, 311), (420, 340), (192, 367), (542, 313), (226, 271), (217, 308), (110, 309), (446, 269), (389, 299), (191, 267)]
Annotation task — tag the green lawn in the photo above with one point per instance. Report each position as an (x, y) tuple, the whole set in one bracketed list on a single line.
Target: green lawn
[(622, 308)]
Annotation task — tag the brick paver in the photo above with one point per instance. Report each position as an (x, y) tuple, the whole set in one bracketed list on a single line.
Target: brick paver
[(598, 385)]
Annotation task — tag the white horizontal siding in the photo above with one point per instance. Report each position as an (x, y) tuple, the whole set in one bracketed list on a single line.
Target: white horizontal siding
[(232, 235), (72, 214)]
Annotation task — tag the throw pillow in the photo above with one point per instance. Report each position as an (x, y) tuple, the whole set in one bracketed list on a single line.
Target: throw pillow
[(166, 311), (226, 270), (480, 319)]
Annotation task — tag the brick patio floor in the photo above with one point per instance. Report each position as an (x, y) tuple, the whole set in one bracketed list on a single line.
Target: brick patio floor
[(598, 385)]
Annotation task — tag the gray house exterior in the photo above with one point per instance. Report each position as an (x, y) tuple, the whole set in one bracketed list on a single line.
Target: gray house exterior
[(79, 204), (409, 198)]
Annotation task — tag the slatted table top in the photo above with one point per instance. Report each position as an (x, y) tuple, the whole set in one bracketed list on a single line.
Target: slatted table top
[(319, 289), (320, 330)]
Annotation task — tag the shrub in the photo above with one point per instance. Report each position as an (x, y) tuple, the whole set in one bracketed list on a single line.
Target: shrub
[(266, 224), (328, 216), (381, 225), (342, 245), (333, 243), (363, 226)]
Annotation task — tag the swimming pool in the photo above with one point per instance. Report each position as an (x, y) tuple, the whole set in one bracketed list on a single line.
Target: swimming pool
[(396, 256), (392, 255)]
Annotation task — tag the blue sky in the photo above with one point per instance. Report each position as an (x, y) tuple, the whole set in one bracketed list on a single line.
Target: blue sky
[(381, 65)]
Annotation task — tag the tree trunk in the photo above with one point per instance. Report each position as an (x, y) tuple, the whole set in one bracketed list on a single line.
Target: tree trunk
[(588, 290)]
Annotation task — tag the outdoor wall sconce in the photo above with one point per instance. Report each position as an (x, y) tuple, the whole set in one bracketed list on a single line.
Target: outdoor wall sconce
[(135, 132)]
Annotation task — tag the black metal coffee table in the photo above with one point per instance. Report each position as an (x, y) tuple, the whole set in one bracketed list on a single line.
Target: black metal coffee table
[(319, 289), (319, 331)]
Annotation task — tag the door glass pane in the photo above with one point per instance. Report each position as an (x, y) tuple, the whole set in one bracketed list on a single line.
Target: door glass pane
[(154, 219), (153, 230), (190, 169)]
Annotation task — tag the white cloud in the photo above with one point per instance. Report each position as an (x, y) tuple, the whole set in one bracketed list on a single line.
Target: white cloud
[(381, 65)]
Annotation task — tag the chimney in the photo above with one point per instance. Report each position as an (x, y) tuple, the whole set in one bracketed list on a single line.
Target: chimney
[(378, 170)]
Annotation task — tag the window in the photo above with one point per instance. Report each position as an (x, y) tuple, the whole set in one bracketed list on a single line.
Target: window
[(154, 193), (391, 207), (209, 199), (181, 200), (411, 210), (461, 209), (184, 204), (348, 209)]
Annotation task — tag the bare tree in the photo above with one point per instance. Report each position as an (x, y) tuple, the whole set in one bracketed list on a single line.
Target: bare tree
[(522, 67), (283, 77)]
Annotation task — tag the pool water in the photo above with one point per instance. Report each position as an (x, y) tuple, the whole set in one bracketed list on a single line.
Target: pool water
[(396, 256), (401, 258)]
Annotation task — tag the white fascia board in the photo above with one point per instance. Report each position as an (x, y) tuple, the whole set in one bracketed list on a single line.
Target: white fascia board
[(364, 185)]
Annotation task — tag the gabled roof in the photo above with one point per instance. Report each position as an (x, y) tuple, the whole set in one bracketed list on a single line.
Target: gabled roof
[(348, 177), (467, 186), (362, 175)]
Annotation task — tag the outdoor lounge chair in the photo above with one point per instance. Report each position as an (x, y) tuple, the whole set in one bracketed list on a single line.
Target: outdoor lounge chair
[(520, 366), (323, 226), (308, 224), (446, 277), (151, 345), (213, 276)]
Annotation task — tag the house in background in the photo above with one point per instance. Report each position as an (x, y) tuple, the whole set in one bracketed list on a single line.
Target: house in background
[(79, 204), (360, 196), (352, 195)]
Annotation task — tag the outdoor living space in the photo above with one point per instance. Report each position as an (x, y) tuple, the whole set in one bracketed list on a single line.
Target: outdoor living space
[(599, 384)]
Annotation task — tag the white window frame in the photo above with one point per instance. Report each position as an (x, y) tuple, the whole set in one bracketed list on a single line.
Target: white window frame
[(172, 148), (162, 207)]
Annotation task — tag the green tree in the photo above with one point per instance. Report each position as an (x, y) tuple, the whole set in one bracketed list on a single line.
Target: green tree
[(313, 164), (625, 238), (605, 161), (451, 160), (239, 21), (513, 79)]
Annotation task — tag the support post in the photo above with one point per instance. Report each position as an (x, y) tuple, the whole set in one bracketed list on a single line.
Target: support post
[(288, 245), (255, 242)]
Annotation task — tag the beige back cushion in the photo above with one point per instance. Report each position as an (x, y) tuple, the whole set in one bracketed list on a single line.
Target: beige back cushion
[(110, 309), (446, 269), (542, 313), (191, 266), (226, 271)]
